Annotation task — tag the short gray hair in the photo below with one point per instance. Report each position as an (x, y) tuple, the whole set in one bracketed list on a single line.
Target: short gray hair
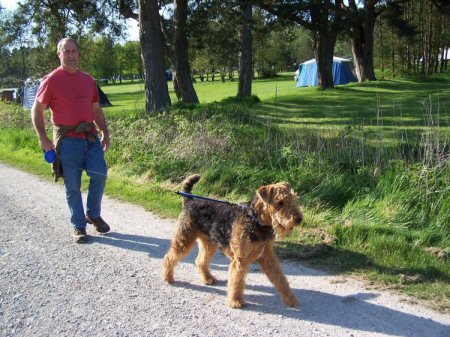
[(62, 41)]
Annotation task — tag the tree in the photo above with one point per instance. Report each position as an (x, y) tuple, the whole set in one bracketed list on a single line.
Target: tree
[(413, 36), (132, 59), (14, 38), (178, 51), (176, 43), (152, 44), (362, 32), (246, 52), (99, 59), (51, 20), (281, 48), (214, 33), (443, 6), (362, 20), (37, 25)]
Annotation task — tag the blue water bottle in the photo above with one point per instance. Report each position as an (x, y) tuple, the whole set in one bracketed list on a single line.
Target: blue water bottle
[(50, 156)]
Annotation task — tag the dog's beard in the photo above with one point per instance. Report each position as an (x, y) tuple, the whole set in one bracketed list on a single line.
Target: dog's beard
[(280, 230)]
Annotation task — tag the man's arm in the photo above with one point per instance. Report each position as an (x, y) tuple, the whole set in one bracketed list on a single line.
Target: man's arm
[(100, 121), (38, 118)]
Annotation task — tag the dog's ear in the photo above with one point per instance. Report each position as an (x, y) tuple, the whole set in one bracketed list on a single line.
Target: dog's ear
[(265, 193), (285, 185)]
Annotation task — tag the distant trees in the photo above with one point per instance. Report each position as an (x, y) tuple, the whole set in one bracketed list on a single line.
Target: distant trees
[(215, 36), (98, 57), (128, 60), (426, 51), (214, 39)]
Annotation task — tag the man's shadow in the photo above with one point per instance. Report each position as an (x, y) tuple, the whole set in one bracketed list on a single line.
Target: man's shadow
[(155, 247)]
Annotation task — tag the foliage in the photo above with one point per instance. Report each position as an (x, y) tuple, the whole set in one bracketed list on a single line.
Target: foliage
[(27, 44), (281, 48), (51, 21), (214, 37), (98, 55), (418, 47)]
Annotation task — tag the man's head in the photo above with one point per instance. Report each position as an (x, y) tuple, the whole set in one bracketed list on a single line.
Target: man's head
[(69, 54)]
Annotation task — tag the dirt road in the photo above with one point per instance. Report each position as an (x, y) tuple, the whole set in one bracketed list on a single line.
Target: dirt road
[(113, 286)]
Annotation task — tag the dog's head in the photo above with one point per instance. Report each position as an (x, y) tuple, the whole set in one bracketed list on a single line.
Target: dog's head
[(277, 206)]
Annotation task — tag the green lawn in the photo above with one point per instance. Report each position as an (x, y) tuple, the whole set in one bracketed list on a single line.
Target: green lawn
[(399, 104)]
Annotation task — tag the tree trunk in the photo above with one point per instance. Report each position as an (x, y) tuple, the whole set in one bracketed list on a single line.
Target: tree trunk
[(324, 57), (429, 63), (246, 57), (325, 36), (392, 57), (182, 73), (176, 86), (381, 45), (362, 45), (152, 42)]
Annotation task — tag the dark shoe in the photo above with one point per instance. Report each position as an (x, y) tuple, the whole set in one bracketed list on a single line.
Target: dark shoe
[(100, 225), (79, 235)]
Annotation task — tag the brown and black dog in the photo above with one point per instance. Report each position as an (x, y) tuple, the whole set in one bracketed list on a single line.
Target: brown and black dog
[(245, 233)]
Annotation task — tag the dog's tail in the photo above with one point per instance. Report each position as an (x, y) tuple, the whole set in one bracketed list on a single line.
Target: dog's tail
[(189, 182)]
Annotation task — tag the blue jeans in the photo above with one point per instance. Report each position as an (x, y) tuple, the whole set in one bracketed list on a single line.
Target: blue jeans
[(78, 154)]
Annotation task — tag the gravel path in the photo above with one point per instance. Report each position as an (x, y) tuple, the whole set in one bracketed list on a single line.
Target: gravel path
[(113, 286)]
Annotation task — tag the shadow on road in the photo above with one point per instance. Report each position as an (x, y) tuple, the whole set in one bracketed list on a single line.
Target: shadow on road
[(155, 247), (353, 312)]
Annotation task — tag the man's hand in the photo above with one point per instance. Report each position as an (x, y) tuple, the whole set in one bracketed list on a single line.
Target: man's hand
[(46, 144), (106, 142), (37, 116), (100, 121)]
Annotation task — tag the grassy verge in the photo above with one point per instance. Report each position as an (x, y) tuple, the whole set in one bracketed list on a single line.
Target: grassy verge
[(371, 163)]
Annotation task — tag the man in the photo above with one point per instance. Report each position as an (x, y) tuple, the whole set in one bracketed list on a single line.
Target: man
[(72, 96)]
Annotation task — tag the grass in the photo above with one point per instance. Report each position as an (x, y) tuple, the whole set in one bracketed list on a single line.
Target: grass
[(371, 163)]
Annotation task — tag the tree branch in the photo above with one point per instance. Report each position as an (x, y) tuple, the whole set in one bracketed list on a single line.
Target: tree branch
[(126, 9)]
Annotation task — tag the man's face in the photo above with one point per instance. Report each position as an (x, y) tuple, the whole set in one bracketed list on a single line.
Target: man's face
[(69, 56)]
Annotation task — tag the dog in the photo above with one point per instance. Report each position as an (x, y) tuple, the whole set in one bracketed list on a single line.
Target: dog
[(245, 233)]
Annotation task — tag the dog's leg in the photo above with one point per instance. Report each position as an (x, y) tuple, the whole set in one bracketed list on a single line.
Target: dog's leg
[(236, 282), (271, 266), (181, 246), (205, 254)]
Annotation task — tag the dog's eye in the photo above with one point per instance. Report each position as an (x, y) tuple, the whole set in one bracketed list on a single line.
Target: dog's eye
[(280, 203)]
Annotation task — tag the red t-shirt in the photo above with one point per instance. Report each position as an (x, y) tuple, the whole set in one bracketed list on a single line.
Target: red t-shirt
[(70, 97)]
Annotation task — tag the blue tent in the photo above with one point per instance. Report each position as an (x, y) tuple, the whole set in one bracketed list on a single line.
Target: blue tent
[(342, 72)]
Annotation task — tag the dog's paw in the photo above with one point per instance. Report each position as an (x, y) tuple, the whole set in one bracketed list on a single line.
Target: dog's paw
[(236, 304), (169, 278), (209, 280), (292, 302)]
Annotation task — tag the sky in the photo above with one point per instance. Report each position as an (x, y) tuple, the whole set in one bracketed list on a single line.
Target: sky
[(9, 4), (133, 29)]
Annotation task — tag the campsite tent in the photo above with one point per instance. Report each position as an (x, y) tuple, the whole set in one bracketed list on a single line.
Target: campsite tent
[(342, 72), (104, 100), (29, 92), (31, 87)]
